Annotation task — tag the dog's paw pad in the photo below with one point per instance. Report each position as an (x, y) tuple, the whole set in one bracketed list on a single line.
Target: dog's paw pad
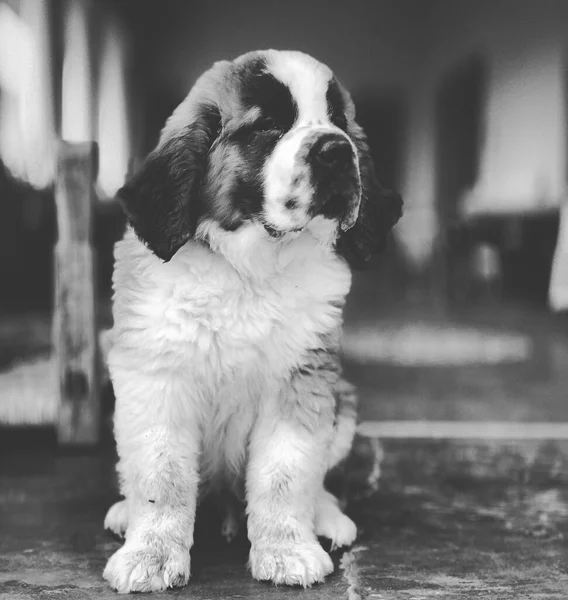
[(292, 563)]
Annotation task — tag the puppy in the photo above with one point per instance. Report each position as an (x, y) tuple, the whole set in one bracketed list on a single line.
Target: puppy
[(229, 286)]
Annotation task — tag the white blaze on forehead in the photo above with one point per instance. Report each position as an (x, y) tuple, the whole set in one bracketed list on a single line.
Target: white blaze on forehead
[(307, 79), (286, 172)]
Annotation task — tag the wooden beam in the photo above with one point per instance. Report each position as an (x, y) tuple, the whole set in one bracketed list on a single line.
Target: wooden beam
[(74, 322)]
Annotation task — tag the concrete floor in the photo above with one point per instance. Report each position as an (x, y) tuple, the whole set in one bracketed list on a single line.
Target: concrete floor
[(449, 520)]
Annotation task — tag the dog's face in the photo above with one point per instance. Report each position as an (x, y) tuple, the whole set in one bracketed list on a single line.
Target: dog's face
[(269, 140)]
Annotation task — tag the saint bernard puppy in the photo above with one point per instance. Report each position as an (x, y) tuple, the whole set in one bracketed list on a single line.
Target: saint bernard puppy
[(229, 286)]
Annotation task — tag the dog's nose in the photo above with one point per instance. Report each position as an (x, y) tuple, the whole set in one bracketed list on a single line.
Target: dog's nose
[(333, 152)]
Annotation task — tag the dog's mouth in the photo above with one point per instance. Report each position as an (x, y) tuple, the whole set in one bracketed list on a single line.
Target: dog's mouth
[(277, 234), (272, 232), (336, 208), (340, 206)]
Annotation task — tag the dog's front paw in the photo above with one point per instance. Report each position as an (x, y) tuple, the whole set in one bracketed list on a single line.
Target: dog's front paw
[(290, 563), (143, 568), (117, 518)]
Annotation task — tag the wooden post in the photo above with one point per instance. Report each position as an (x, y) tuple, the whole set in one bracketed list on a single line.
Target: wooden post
[(74, 323)]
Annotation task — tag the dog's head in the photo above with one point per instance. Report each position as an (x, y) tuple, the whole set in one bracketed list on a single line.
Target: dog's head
[(269, 139)]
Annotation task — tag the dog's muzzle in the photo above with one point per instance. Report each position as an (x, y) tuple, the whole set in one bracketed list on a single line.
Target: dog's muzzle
[(336, 179)]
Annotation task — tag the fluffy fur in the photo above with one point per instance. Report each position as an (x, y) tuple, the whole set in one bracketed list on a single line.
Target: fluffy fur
[(229, 287)]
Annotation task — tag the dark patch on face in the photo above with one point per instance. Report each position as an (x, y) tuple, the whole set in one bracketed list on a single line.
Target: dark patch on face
[(291, 204), (336, 104), (246, 196), (260, 88), (255, 140)]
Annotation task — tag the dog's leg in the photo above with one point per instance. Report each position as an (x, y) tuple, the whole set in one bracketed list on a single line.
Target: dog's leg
[(158, 445), (287, 463)]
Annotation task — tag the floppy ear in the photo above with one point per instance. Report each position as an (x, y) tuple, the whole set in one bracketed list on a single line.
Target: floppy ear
[(162, 201), (379, 209)]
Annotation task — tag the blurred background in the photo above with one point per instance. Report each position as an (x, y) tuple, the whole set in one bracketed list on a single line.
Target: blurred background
[(456, 337), (464, 104)]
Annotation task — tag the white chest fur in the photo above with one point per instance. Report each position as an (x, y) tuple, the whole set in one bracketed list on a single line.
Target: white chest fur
[(230, 331), (201, 310)]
